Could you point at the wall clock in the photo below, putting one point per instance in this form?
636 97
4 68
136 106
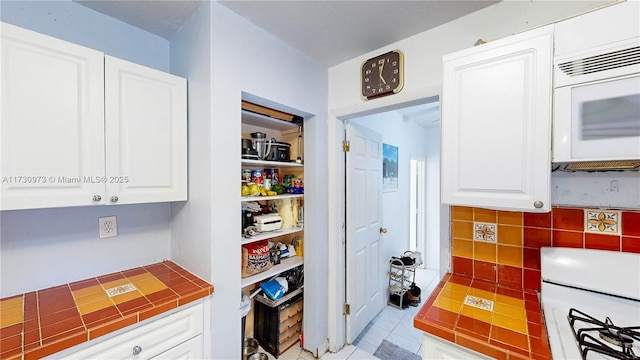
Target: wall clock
382 75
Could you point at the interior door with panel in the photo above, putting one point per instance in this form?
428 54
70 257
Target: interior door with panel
366 295
496 123
52 137
146 134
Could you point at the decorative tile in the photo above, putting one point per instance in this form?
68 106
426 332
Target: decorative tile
479 302
485 231
602 221
119 290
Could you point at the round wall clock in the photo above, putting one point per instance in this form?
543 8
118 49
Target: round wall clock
382 75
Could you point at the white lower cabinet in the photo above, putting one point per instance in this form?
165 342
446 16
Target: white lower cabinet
438 349
176 336
190 349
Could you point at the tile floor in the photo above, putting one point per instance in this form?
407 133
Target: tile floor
391 324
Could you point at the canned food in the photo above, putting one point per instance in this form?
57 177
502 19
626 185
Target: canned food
246 175
272 174
256 176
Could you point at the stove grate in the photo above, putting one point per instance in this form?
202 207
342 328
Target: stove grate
617 340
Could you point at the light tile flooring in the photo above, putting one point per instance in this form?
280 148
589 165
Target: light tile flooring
391 324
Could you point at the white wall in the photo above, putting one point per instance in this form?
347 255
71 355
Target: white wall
43 248
423 78
237 55
67 20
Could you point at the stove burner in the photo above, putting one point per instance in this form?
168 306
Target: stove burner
617 340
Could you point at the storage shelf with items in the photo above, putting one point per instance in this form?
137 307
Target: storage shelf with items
401 278
272 203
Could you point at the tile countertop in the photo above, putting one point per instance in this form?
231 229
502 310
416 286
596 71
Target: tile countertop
43 322
509 325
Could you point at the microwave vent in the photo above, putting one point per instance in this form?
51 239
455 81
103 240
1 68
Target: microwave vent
602 62
600 165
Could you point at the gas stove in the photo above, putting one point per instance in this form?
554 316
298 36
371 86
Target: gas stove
591 303
604 337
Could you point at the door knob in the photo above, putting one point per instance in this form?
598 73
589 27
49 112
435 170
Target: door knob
383 230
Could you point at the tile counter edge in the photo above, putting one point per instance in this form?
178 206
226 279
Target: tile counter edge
80 312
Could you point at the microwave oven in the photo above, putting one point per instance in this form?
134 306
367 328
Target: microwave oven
596 115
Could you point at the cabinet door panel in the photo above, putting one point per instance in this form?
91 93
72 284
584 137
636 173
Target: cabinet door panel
145 133
188 350
52 121
496 116
151 339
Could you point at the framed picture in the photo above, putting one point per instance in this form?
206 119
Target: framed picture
389 168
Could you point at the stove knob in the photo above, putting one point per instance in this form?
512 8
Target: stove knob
538 204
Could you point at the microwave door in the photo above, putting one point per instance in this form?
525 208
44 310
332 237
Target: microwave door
605 120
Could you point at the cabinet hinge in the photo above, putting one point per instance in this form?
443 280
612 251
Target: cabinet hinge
347 309
345 145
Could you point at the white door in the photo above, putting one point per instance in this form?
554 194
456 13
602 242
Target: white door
146 134
365 282
496 123
52 127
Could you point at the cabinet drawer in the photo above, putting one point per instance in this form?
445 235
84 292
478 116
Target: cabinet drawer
291 311
190 350
153 338
290 322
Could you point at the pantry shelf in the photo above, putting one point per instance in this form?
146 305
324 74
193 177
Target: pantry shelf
270 234
256 119
285 264
276 197
270 164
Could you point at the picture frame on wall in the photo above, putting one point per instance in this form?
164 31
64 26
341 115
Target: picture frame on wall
389 168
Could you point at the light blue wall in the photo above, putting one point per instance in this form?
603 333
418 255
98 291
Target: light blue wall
48 247
226 57
66 20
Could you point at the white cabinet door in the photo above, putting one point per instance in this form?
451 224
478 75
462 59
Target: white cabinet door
188 350
496 116
151 340
146 134
438 349
51 134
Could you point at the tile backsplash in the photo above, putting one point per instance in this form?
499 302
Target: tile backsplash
504 246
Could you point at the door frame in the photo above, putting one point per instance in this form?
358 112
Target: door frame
420 198
336 173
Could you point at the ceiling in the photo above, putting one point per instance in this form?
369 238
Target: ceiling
330 32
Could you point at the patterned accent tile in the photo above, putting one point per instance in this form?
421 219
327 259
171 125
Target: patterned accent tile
485 231
480 303
602 221
121 289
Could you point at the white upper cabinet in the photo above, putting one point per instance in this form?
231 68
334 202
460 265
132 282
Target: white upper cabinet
496 123
146 134
52 126
77 132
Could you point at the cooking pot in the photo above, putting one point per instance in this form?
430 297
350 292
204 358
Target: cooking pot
279 151
250 347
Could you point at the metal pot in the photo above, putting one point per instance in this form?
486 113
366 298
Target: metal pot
259 356
250 347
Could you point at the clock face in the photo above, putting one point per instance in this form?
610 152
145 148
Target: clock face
382 75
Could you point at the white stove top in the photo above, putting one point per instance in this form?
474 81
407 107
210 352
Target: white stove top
558 298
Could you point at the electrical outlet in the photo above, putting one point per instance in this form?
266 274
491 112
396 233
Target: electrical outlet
108 227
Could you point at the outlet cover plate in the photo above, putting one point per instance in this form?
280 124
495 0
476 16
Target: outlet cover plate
108 227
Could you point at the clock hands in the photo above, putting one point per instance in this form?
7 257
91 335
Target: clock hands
380 68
